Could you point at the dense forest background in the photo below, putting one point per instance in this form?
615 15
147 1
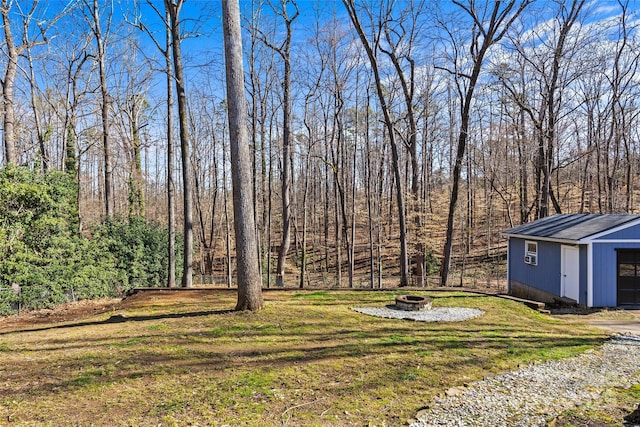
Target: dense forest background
391 141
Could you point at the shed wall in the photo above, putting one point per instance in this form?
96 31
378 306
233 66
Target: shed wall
544 276
625 234
605 272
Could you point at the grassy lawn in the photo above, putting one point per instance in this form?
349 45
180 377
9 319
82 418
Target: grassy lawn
306 359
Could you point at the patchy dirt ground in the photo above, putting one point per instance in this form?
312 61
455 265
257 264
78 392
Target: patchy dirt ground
81 310
62 313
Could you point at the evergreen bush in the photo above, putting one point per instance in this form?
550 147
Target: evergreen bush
46 258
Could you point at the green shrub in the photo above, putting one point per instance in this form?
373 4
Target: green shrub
431 262
43 253
140 250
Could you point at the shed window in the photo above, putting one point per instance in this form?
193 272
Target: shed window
531 253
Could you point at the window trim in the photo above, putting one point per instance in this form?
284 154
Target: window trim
528 253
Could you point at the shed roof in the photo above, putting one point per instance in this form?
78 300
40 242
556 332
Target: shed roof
569 227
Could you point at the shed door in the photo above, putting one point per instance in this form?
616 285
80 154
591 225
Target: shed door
570 271
629 277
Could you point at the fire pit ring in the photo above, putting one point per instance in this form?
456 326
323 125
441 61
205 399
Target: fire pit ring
413 302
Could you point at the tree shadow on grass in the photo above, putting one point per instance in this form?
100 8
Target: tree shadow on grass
393 351
120 318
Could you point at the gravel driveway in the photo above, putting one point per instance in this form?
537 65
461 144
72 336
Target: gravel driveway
532 395
627 326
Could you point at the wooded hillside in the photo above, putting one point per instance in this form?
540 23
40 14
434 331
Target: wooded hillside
390 140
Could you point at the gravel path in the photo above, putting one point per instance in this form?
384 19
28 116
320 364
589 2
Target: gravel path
538 392
436 314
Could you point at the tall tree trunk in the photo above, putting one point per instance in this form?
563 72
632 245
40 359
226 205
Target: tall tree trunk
369 194
249 283
270 204
105 105
254 81
8 83
523 182
171 186
227 238
174 13
305 192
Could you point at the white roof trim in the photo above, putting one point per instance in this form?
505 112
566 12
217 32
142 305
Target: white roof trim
617 241
539 238
593 237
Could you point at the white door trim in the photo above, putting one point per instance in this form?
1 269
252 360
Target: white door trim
570 272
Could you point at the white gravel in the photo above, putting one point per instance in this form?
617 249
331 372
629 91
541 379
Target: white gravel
539 392
436 314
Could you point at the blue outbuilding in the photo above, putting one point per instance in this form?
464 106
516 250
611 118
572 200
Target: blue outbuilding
593 260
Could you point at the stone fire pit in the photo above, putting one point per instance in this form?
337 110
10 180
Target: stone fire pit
418 308
413 303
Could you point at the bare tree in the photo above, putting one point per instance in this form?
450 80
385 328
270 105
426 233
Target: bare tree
13 52
131 103
622 86
76 60
8 83
171 187
312 139
166 52
489 25
101 35
42 134
401 35
391 134
173 8
263 78
249 283
550 72
284 50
